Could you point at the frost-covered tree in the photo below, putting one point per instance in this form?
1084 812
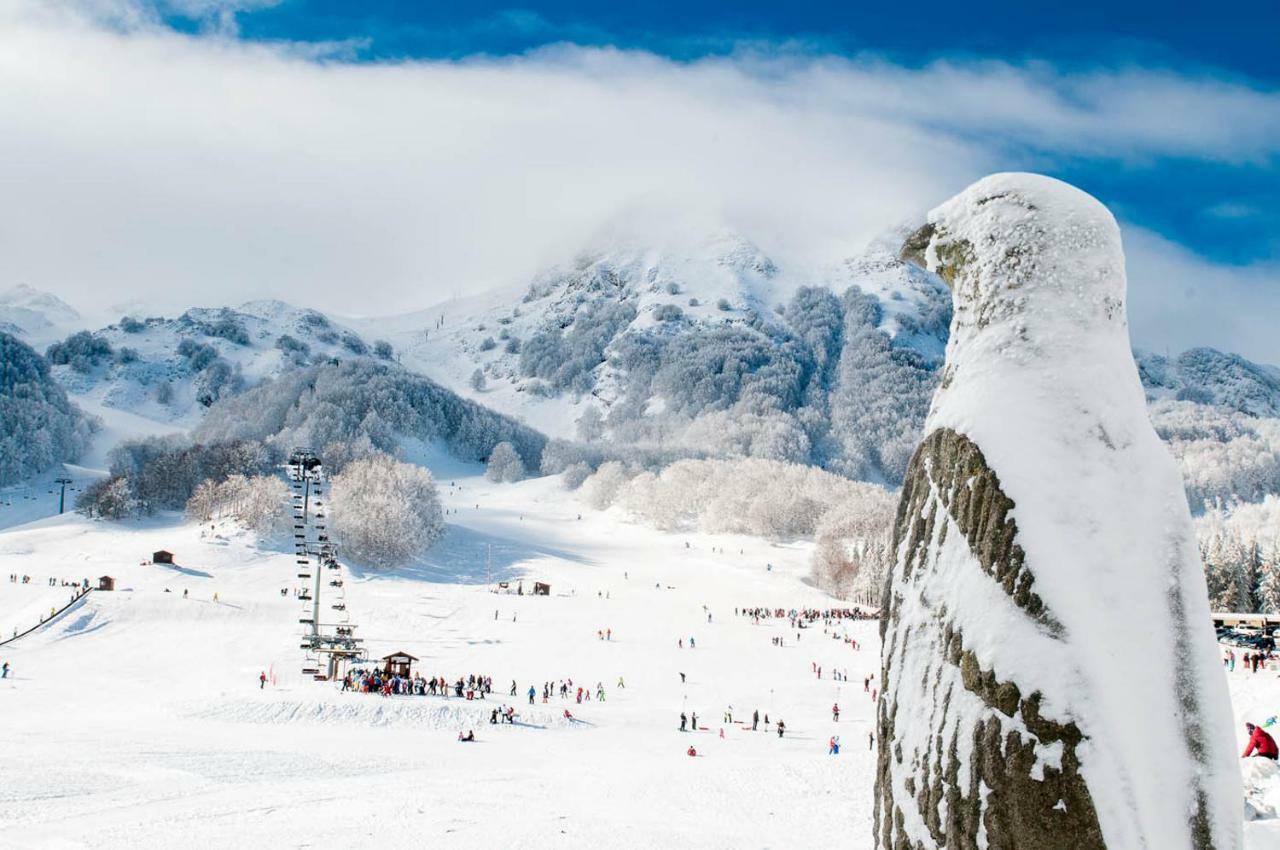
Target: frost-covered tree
109 498
590 425
258 503
82 351
574 475
384 512
504 464
1269 587
477 380
602 488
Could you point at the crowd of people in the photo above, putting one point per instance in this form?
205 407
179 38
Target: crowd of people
389 684
1253 660
800 617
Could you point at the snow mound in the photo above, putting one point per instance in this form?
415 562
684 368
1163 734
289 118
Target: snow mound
1261 779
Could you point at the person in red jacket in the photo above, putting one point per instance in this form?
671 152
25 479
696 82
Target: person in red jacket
1260 743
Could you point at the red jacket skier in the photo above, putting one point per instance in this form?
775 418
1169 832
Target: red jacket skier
1260 743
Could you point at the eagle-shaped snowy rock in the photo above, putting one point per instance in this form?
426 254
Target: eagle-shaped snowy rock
1050 676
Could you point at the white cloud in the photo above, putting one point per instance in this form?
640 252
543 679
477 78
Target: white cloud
1178 300
139 163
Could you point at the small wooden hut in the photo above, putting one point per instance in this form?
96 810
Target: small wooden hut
541 588
106 583
162 557
398 664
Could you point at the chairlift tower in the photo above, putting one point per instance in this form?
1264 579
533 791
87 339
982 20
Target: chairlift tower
316 558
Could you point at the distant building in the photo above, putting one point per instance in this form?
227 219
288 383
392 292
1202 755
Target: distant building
162 557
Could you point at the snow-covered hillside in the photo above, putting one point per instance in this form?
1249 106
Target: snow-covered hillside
168 738
136 719
172 369
709 346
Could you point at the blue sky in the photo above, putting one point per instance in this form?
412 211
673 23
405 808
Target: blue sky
161 151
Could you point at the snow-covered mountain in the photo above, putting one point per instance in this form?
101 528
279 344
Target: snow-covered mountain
36 317
170 370
705 347
710 345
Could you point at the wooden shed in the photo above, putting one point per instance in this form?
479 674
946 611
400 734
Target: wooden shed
398 664
162 557
541 588
106 583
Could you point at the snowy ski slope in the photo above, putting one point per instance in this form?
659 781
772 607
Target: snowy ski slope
137 720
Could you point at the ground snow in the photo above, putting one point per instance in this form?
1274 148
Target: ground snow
137 721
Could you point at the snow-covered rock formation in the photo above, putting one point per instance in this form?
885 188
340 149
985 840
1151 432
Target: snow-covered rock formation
1050 676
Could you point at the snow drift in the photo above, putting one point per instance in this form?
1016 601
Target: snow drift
1049 671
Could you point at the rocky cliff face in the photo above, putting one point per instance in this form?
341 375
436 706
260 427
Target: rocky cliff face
1042 545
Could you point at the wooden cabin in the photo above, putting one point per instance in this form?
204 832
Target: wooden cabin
106 583
398 664
541 588
162 557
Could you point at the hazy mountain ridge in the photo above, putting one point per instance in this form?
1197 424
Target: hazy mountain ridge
713 349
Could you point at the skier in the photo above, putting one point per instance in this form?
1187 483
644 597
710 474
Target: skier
532 693
691 751
513 687
692 644
262 680
682 678
684 721
835 713
1260 743
695 721
833 746
782 727
4 671
755 719
621 684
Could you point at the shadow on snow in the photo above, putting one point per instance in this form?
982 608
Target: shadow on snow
460 558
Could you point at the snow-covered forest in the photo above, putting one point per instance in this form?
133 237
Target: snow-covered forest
360 405
39 425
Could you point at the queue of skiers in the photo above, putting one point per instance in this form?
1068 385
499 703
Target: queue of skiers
378 682
16 578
